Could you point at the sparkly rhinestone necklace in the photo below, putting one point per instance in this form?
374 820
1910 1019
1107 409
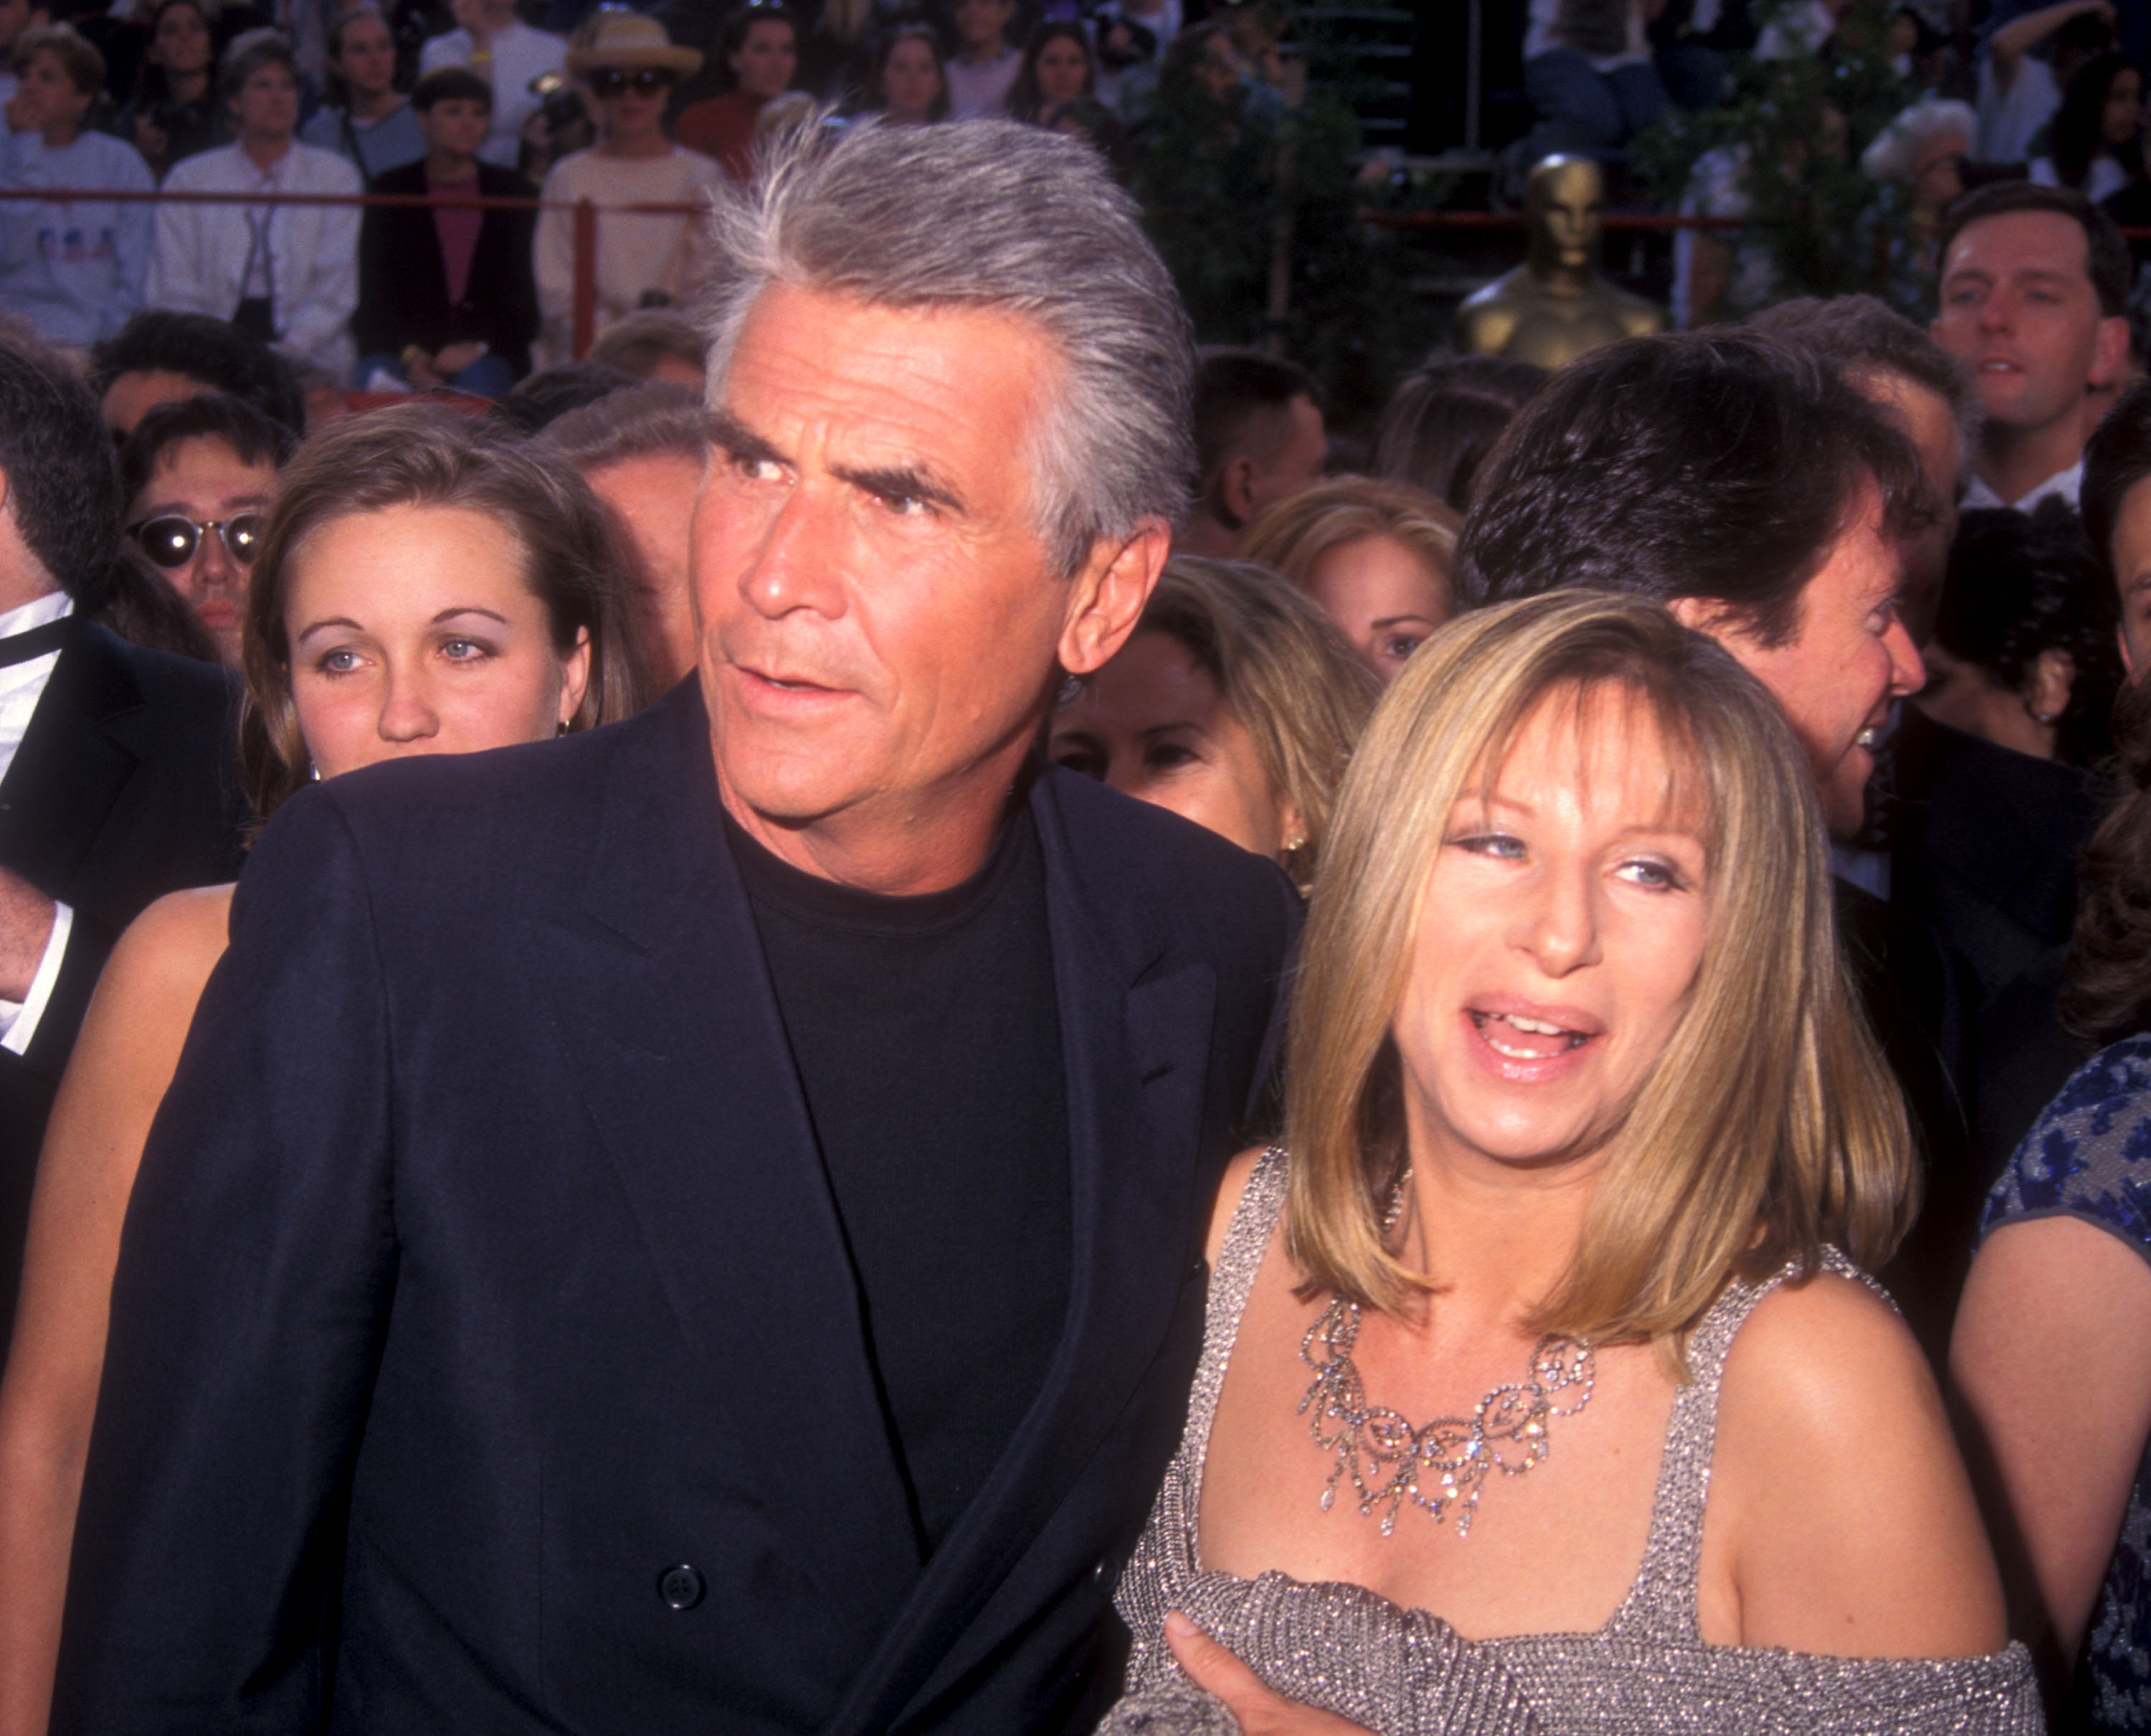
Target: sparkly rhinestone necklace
1442 1466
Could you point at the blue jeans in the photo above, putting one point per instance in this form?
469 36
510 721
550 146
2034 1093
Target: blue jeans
1583 109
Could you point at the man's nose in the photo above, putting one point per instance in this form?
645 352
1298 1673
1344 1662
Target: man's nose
1908 672
794 564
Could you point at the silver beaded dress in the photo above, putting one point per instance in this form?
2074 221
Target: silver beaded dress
1406 1673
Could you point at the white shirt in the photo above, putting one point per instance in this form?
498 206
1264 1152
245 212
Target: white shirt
519 54
1543 32
2107 176
2010 120
22 684
200 260
2062 486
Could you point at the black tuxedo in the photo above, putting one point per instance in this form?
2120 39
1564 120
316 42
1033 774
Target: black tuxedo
1983 870
404 279
484 1352
123 789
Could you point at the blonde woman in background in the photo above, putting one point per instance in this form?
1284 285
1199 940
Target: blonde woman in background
1235 704
1376 555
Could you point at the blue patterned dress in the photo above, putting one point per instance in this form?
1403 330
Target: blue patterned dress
2089 1156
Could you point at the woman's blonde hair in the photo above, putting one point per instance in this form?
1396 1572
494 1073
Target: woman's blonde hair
1769 1126
1284 672
1298 531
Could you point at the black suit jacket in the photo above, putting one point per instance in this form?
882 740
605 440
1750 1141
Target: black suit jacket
123 789
1984 859
403 281
485 1354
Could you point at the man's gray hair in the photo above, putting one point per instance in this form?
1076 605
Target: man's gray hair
988 214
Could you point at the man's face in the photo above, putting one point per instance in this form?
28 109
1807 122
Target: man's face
1849 656
879 618
2017 304
1924 415
981 24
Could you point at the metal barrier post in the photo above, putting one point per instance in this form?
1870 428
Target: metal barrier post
586 278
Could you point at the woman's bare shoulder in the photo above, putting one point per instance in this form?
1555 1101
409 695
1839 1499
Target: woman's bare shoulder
146 997
1882 1554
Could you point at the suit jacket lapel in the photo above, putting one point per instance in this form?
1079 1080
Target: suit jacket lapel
70 768
1135 1038
689 1081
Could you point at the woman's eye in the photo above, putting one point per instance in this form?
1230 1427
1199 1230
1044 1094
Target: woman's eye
1652 876
1399 647
1168 756
1498 844
1081 760
463 650
337 662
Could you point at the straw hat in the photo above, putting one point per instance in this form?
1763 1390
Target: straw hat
626 41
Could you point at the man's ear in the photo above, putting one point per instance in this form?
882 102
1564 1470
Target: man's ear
1702 615
2053 673
2110 355
1236 490
1105 599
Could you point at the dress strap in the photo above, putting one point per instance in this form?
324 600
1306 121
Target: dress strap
1247 1238
1660 1606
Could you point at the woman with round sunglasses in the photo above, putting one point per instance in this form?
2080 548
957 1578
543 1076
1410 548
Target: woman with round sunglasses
199 475
421 586
628 66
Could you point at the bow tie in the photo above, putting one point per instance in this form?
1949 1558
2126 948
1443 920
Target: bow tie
37 642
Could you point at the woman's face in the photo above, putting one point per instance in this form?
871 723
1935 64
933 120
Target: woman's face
412 630
368 61
765 62
1562 927
181 45
267 105
1385 596
1064 72
49 104
2123 112
632 106
1153 726
911 81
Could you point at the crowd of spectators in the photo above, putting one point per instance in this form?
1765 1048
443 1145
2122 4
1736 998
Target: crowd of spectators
628 109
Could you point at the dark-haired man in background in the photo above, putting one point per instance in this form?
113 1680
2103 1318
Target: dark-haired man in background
2034 284
161 356
116 785
1744 481
1259 439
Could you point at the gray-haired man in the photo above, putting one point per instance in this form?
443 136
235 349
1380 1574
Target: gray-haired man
697 1226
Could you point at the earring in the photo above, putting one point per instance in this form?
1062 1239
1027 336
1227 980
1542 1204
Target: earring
1297 841
560 728
313 772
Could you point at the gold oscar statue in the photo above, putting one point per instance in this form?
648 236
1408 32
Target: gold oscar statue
1555 305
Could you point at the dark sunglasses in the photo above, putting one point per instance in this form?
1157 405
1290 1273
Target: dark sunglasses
608 81
171 541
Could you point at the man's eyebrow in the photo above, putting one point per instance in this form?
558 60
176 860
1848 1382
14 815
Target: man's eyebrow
901 481
725 431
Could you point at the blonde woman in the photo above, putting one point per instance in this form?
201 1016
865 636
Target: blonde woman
1377 556
1543 1388
1234 703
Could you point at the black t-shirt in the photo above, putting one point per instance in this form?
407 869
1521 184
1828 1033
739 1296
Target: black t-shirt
928 1040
